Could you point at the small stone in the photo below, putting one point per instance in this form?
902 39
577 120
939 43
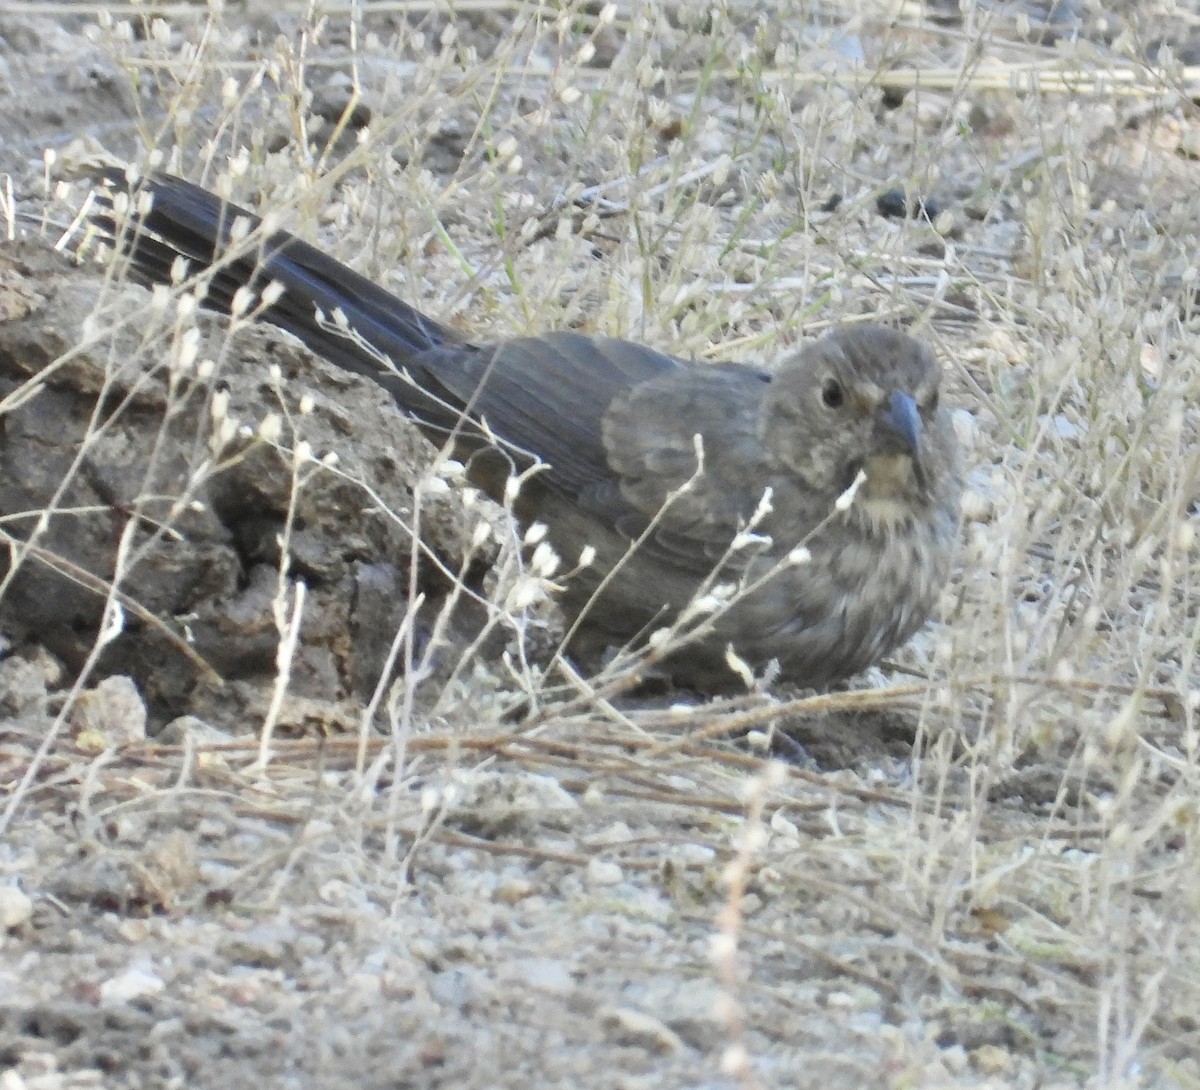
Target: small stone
16 907
454 988
990 1060
491 803
111 714
1189 143
603 872
132 984
546 975
1061 425
263 947
189 728
976 506
966 428
24 683
510 890
896 204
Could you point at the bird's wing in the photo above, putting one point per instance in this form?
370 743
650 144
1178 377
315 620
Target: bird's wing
545 396
616 424
699 501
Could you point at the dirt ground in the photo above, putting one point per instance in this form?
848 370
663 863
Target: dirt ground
230 854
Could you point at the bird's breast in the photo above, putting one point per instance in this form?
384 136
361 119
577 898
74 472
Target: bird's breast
862 594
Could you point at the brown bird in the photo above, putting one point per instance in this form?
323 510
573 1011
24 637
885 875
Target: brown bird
806 516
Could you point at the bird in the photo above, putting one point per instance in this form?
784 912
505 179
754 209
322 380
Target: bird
796 522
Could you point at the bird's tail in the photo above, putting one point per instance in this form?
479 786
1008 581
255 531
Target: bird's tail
184 220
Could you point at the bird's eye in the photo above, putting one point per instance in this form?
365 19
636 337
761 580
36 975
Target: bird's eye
832 394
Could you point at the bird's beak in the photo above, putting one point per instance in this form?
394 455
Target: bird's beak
901 421
901 418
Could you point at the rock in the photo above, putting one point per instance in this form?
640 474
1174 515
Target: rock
111 714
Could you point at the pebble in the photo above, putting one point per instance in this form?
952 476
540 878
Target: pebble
134 983
603 872
16 907
111 714
546 975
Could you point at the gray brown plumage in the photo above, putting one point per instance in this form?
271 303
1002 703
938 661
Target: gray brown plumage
616 424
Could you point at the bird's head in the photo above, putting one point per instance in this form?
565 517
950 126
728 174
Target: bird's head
864 398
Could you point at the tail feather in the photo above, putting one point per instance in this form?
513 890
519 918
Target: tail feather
186 221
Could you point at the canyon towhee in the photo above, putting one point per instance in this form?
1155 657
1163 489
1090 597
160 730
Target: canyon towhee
806 515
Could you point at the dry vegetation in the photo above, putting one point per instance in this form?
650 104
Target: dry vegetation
983 868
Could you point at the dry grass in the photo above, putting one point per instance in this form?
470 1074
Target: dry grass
1014 905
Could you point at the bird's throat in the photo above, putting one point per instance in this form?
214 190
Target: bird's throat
892 493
